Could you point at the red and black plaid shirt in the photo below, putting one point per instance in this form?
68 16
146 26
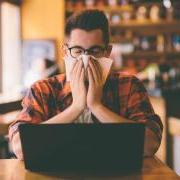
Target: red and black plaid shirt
123 94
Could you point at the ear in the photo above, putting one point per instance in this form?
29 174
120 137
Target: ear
64 49
108 51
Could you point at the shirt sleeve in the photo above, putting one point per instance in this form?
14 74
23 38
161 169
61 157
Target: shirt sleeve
140 109
35 108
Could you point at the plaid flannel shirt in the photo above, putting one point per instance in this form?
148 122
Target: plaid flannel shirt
122 93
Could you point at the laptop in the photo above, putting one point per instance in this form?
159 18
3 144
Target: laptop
83 147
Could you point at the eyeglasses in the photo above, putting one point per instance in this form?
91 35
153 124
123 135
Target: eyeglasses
96 51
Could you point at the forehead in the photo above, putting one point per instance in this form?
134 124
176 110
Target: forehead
86 39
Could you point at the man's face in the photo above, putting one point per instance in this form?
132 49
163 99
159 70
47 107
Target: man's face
92 41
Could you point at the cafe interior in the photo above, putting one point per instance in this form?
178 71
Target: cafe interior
145 36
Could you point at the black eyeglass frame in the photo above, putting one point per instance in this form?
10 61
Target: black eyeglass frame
86 50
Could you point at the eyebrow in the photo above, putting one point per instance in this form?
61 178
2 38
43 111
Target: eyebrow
95 46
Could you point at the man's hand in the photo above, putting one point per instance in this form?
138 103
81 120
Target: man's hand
16 145
79 93
78 88
95 88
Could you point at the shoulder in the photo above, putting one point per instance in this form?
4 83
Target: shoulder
50 84
123 77
126 83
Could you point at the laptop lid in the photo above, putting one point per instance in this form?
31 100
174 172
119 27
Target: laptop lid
82 147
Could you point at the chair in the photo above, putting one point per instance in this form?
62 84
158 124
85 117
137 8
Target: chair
174 143
159 106
8 112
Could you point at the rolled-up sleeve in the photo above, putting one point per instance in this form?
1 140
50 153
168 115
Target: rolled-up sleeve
34 110
140 109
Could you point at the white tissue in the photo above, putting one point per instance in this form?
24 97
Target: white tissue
85 59
69 63
105 64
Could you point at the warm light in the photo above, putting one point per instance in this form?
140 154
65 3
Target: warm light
167 3
11 47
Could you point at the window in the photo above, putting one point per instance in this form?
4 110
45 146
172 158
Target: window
10 49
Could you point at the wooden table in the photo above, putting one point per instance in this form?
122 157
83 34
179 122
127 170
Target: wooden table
153 169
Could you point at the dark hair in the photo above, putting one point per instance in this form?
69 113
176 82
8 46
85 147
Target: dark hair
89 20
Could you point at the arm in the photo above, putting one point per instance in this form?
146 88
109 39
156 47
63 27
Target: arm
138 108
79 99
63 117
105 115
16 146
67 116
35 107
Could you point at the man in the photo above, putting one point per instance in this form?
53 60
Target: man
122 98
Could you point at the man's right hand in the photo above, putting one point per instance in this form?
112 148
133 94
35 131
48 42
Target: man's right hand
78 88
16 145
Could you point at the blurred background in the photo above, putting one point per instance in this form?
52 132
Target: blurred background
146 43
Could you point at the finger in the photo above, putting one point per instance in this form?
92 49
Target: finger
19 154
98 70
77 71
16 145
82 76
90 77
93 70
74 66
73 70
